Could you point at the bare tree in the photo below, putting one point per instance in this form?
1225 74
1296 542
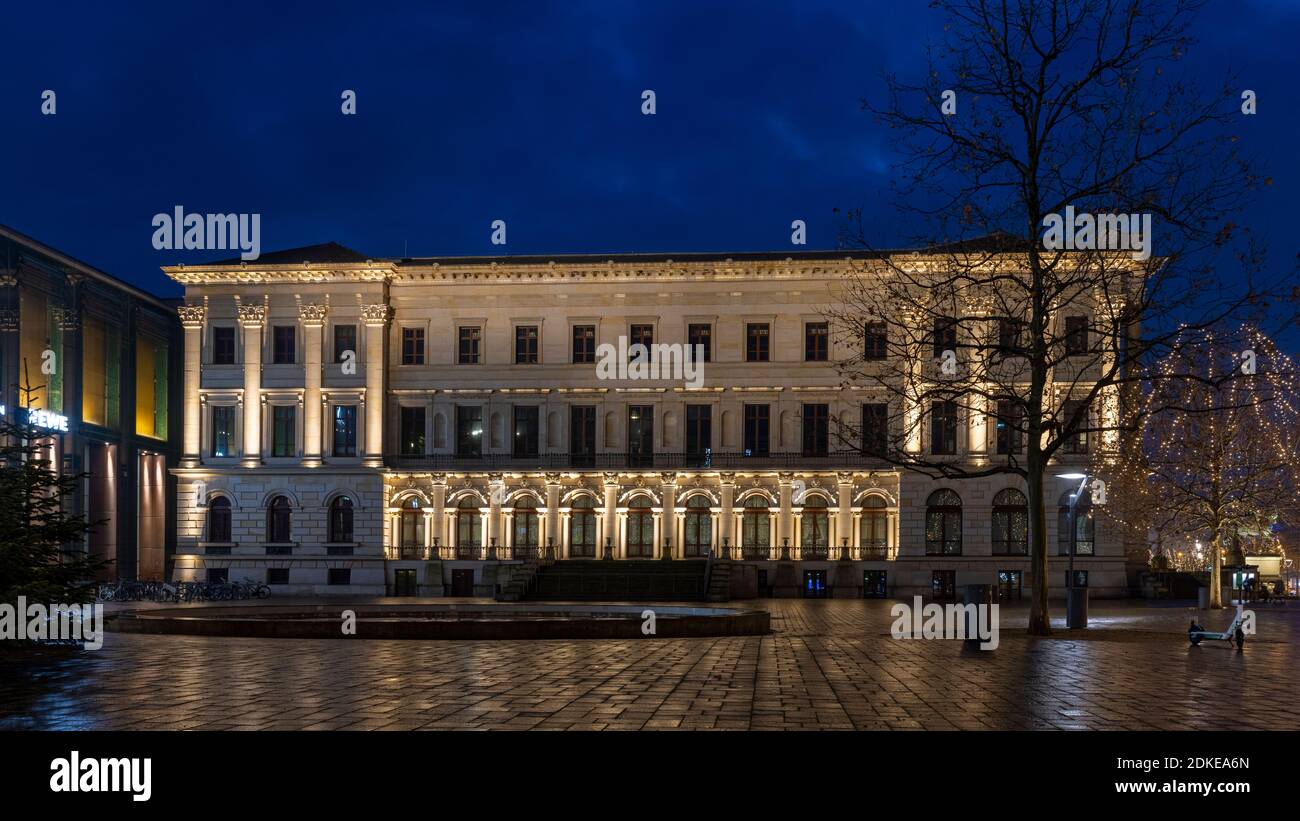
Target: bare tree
1053 146
1220 429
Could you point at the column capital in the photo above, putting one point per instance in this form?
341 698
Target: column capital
438 478
844 477
192 316
785 478
611 479
377 314
668 477
312 315
8 277
252 316
727 478
553 478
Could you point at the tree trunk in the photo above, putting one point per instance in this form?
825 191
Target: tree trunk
1216 573
1040 620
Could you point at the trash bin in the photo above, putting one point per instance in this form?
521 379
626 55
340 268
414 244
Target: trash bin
977 594
1076 607
1203 598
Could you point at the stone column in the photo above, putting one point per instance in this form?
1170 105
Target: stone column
553 531
785 517
251 318
726 519
375 318
844 518
496 493
312 318
438 498
611 512
192 318
669 529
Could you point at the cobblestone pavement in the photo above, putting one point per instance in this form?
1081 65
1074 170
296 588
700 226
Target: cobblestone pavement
827 665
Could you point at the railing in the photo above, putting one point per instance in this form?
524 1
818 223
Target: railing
611 461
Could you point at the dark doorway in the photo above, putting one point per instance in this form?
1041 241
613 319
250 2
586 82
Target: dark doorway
764 590
1009 584
943 584
814 584
404 583
462 583
874 584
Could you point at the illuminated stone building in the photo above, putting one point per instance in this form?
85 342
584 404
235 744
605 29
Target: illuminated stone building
428 426
98 361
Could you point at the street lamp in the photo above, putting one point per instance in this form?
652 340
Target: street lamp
1076 613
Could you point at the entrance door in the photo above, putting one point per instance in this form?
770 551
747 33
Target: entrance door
814 584
873 584
404 583
1009 584
462 583
943 584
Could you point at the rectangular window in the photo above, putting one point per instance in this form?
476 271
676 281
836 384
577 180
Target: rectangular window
875 340
412 346
412 430
467 344
1011 337
1077 441
943 428
38 331
277 575
284 340
700 338
640 435
944 336
1009 421
223 430
345 339
1076 335
150 388
223 345
756 429
525 444
340 576
756 339
816 341
469 431
100 373
699 429
582 435
283 430
526 345
816 430
584 344
345 430
875 429
641 335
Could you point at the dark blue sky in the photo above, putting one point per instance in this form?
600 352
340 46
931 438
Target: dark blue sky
524 112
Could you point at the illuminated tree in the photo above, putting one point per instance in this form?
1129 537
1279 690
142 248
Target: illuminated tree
1220 435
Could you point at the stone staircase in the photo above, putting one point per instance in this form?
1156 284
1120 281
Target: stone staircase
719 581
621 580
515 588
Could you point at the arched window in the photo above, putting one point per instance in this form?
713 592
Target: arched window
1010 524
279 521
412 526
755 534
525 535
640 528
873 536
698 526
469 529
219 519
814 529
1084 525
340 528
943 524
582 528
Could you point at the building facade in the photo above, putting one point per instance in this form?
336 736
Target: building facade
423 426
99 360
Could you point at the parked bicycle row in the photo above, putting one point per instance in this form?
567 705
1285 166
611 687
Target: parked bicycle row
183 591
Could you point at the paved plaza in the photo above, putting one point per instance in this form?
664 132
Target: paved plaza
827 665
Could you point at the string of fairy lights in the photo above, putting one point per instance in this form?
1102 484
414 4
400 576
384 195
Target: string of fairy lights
1216 444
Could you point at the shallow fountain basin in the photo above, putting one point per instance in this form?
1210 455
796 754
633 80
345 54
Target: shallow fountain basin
446 621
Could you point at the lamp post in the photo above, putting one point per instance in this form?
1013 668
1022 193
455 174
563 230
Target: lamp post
1076 609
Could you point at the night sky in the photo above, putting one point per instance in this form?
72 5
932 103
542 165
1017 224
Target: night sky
528 113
